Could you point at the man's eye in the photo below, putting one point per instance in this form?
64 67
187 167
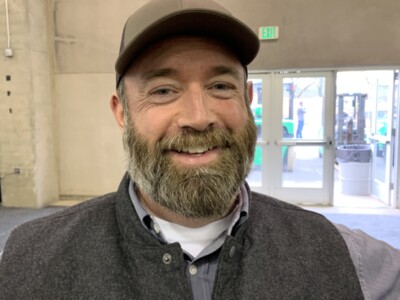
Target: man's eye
161 92
222 90
222 87
163 95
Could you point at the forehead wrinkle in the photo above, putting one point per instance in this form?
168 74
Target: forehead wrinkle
163 72
225 70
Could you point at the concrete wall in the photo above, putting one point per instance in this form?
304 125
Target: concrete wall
27 108
86 41
83 156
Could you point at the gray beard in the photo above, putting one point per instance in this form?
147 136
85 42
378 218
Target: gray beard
193 192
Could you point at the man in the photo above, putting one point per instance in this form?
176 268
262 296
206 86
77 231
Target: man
184 224
300 120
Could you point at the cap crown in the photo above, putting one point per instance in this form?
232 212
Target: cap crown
161 19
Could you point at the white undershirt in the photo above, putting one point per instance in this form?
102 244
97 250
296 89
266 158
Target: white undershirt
194 240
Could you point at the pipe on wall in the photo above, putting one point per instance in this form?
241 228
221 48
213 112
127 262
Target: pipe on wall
8 26
8 50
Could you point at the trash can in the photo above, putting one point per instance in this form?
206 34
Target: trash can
354 169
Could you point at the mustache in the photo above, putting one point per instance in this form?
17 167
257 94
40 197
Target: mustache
210 138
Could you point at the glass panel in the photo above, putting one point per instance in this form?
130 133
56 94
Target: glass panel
255 176
287 109
396 101
302 118
379 161
363 106
256 105
303 107
302 166
351 118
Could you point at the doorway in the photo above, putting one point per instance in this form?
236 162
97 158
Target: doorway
365 136
318 145
294 153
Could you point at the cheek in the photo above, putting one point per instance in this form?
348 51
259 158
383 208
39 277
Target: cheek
233 116
152 124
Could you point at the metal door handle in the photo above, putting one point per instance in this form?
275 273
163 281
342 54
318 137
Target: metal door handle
262 142
303 143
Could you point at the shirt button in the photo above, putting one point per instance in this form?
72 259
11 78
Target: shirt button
232 252
155 227
167 258
193 270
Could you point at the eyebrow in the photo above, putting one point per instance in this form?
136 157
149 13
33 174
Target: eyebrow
225 70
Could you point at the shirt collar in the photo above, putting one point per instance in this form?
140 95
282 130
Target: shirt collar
146 218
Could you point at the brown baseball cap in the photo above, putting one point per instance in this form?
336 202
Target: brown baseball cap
161 19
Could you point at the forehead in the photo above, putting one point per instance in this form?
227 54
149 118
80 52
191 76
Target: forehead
184 49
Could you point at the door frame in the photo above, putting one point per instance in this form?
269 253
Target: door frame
396 142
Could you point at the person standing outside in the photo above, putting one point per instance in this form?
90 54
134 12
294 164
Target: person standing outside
300 120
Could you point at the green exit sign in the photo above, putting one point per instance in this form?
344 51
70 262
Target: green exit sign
268 33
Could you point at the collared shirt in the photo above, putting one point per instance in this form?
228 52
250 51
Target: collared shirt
202 269
377 263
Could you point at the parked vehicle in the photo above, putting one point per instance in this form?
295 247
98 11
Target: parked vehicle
287 132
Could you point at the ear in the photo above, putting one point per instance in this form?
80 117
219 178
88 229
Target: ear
250 91
118 110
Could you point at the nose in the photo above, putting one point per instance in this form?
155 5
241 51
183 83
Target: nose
195 111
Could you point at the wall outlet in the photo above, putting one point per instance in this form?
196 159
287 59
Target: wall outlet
8 52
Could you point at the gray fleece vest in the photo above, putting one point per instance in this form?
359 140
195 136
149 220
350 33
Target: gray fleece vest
100 250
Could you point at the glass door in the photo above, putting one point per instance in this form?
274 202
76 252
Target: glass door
382 136
294 155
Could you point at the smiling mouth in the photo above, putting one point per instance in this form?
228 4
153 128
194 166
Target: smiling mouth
194 150
195 156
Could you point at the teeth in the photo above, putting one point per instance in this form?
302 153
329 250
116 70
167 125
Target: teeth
195 150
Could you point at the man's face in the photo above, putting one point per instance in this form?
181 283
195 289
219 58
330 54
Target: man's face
189 135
